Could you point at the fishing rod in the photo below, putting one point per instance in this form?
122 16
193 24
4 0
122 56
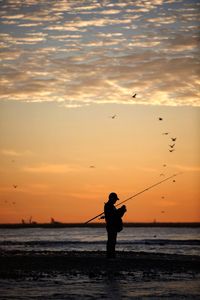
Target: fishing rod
135 195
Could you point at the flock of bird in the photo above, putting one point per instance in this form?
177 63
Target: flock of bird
171 149
173 139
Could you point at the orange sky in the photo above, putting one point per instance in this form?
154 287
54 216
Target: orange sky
67 67
48 154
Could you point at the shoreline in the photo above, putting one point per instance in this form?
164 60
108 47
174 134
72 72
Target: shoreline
98 225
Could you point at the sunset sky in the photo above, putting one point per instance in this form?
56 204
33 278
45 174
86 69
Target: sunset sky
70 130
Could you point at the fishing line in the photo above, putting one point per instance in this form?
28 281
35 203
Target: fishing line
135 195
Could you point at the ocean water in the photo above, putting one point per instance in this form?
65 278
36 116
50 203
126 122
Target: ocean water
171 240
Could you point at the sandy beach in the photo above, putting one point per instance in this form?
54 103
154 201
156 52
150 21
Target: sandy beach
89 275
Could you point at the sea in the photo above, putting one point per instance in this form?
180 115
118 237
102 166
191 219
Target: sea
166 240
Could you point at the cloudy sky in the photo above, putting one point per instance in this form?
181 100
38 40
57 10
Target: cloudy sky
67 67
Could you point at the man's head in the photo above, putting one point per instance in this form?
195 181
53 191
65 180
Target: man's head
113 197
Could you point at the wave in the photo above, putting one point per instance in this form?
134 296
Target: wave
160 242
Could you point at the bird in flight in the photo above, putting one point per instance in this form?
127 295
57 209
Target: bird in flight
165 133
92 167
162 211
134 96
171 150
172 146
162 174
15 186
160 119
174 180
164 165
113 117
173 139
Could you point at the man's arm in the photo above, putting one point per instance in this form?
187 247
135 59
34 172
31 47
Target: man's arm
121 211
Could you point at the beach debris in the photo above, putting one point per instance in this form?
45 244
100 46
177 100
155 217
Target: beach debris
164 165
162 174
162 211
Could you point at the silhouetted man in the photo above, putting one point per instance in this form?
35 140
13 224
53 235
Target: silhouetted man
113 217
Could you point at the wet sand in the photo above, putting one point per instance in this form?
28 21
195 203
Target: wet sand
89 275
95 261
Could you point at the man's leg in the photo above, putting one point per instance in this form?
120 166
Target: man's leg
112 238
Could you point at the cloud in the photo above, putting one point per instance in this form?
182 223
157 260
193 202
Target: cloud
11 17
10 54
86 7
29 24
188 168
164 20
96 52
77 25
52 168
148 169
9 22
110 12
168 203
14 153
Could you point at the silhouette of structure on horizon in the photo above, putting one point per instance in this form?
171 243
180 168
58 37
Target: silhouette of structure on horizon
54 222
